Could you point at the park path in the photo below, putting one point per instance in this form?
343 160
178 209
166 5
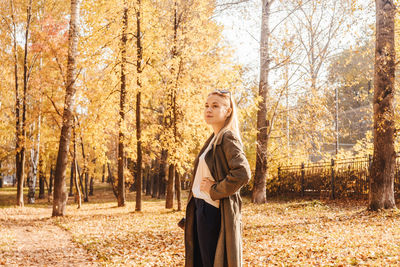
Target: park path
30 237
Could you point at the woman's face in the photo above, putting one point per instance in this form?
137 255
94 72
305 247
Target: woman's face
216 110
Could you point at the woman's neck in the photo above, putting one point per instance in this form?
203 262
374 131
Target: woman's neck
217 128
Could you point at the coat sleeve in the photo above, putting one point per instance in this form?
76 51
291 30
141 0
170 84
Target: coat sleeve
239 169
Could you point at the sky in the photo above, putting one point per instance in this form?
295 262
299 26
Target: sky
242 33
242 30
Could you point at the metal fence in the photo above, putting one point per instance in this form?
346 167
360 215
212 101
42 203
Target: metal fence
335 179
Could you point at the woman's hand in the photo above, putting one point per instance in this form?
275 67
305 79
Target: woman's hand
206 184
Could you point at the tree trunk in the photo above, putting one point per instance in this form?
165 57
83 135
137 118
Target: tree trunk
169 199
169 203
41 179
381 193
80 175
91 183
84 171
91 186
184 181
259 190
1 177
103 174
144 180
108 176
155 179
60 194
49 196
162 174
151 179
78 195
178 190
148 181
74 170
18 144
138 106
121 178
131 165
23 130
71 180
41 186
86 195
21 134
50 191
112 181
34 165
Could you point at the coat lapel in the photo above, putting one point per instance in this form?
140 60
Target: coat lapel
210 156
210 163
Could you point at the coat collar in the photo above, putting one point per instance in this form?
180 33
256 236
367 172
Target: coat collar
220 135
217 142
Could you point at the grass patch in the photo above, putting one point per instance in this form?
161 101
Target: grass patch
8 198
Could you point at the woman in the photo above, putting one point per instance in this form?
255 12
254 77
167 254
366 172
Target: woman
213 219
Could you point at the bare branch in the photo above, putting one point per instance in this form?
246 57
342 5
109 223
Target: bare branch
54 105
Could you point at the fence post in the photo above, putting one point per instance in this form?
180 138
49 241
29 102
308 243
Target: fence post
369 164
333 178
302 179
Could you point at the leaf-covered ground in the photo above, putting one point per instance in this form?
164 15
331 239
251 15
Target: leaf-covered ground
28 237
284 233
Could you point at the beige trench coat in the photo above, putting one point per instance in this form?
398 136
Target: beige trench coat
230 168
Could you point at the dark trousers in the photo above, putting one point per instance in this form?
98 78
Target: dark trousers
207 224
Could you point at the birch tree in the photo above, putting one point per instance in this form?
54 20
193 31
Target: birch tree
60 192
34 164
18 145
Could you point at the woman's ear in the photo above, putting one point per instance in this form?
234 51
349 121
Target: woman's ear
228 112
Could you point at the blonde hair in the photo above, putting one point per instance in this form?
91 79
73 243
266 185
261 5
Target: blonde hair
231 122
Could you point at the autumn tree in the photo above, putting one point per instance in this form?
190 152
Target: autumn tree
60 194
268 103
350 74
7 99
20 108
170 120
139 71
7 128
381 194
99 118
18 22
260 176
121 180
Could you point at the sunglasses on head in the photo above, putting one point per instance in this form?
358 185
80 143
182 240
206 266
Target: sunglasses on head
222 92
